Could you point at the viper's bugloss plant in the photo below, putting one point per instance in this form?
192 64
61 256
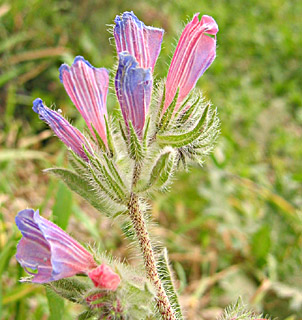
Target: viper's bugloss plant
119 161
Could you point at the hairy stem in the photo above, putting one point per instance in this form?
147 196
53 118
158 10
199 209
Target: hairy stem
142 234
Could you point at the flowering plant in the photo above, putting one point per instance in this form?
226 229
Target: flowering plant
119 162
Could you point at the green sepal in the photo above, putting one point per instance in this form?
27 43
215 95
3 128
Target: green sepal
100 184
78 163
181 140
145 138
135 147
111 183
156 172
160 110
86 315
178 112
166 277
167 172
123 132
71 289
109 138
78 185
114 171
167 116
186 115
98 139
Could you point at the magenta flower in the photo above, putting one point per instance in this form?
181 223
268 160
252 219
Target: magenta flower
104 277
141 41
133 87
49 250
71 136
87 87
194 53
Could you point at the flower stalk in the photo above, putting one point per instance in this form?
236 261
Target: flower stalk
143 237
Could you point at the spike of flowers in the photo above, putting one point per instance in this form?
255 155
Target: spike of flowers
87 87
48 249
71 136
133 87
194 53
141 41
104 277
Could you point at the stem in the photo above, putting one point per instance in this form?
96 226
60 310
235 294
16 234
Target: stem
142 234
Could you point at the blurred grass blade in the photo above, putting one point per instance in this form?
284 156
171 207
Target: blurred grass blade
62 208
56 305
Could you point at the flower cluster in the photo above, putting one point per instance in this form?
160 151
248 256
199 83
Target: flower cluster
138 47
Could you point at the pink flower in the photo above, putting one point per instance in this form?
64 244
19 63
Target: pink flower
70 135
194 53
49 250
104 277
87 87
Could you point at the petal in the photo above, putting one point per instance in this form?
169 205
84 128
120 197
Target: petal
133 87
71 136
68 257
33 250
87 87
194 53
141 41
104 277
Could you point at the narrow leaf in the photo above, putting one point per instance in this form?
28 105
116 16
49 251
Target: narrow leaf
135 147
78 185
166 118
166 277
184 139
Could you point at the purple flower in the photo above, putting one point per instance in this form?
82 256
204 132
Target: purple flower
141 41
49 250
71 136
194 53
87 87
133 87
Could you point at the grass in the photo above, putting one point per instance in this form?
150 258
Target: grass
232 228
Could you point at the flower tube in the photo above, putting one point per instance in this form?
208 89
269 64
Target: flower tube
194 53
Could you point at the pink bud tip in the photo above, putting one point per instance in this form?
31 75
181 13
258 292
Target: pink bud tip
104 277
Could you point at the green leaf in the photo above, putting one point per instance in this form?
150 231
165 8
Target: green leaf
135 147
62 208
186 115
99 140
184 139
166 277
166 118
109 138
161 107
78 185
56 305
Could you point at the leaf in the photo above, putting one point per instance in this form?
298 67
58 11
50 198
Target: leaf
135 147
78 185
166 277
166 118
184 139
56 305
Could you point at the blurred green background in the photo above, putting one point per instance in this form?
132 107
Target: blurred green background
233 228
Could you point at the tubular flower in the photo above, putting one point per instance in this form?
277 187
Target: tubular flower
71 136
49 250
141 41
87 87
104 277
133 87
194 53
